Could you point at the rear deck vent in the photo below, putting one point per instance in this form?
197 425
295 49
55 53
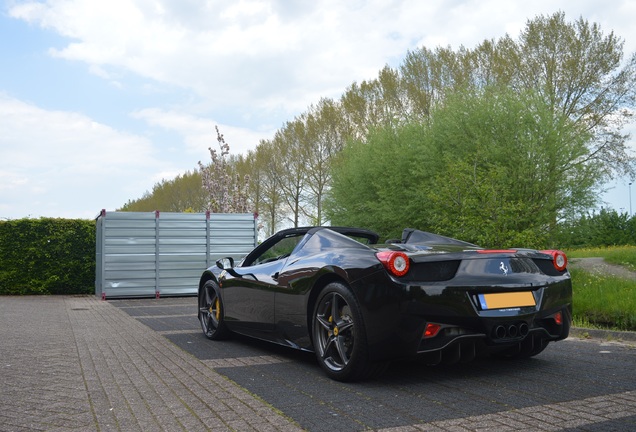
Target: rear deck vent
435 271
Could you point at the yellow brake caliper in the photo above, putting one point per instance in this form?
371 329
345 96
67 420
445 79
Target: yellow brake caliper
215 309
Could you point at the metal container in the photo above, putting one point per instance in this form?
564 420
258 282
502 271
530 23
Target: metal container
153 254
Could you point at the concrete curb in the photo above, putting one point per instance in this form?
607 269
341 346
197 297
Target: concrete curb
610 335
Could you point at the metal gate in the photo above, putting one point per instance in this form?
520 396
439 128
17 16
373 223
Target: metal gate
155 254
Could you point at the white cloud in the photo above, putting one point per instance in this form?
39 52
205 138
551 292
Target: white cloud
48 158
275 54
46 138
199 133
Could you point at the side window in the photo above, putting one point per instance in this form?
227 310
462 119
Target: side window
279 250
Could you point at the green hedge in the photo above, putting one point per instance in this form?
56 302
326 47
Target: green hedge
47 256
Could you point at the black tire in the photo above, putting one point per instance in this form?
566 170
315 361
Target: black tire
339 336
211 312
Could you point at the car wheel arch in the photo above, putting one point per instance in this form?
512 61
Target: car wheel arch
207 276
316 289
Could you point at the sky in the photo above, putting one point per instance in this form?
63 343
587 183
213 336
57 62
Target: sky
100 100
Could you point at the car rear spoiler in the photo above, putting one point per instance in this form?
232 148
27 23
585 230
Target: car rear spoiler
413 236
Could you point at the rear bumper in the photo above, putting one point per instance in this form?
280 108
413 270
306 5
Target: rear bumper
396 327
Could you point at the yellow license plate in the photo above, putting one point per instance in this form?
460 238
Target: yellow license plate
506 300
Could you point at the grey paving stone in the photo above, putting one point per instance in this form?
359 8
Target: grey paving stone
82 364
78 363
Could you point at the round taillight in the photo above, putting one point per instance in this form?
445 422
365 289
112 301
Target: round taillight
397 263
559 259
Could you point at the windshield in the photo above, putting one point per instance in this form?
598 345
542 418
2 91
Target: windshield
281 249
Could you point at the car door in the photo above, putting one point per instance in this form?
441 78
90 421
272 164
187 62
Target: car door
249 299
249 295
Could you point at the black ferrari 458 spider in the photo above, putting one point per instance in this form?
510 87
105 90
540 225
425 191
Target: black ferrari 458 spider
358 304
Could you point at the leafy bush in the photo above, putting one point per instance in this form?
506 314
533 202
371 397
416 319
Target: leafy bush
47 256
602 229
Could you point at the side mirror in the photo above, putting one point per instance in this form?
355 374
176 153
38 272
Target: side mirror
226 263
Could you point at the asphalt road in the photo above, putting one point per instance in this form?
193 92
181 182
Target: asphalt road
575 384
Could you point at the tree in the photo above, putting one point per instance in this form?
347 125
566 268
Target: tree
290 173
325 139
533 124
491 167
578 71
379 102
379 183
426 76
183 193
226 190
508 169
264 190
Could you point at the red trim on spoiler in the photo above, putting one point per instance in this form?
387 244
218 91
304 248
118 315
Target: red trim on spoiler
493 251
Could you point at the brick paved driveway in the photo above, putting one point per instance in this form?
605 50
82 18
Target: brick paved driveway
573 385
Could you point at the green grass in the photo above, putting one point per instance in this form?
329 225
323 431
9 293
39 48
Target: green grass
621 255
603 301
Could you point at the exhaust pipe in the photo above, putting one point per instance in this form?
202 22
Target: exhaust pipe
523 329
500 332
512 331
